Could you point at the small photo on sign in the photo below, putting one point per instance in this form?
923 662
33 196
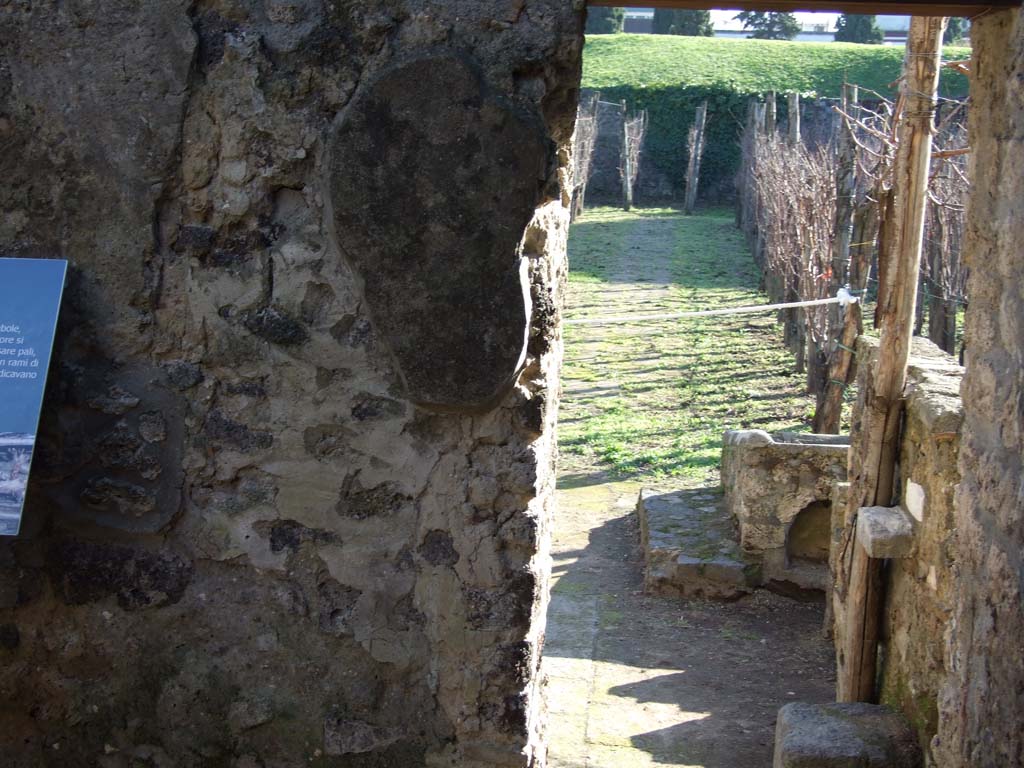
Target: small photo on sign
15 458
30 293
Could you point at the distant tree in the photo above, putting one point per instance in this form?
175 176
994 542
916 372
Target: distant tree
770 25
858 28
605 21
693 23
956 30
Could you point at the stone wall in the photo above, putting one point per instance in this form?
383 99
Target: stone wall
919 585
983 707
922 668
290 501
769 480
919 588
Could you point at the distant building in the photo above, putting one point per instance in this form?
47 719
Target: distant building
639 21
895 29
815 27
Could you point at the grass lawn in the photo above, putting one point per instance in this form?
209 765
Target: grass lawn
749 66
654 398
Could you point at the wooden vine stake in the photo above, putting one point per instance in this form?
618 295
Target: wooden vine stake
696 150
828 414
874 484
793 111
627 164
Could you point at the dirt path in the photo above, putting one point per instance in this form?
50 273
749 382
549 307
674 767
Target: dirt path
637 680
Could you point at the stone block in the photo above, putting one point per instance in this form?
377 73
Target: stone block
781 484
437 256
843 736
690 548
885 532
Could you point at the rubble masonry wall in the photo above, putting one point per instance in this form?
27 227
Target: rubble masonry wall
982 707
919 588
291 495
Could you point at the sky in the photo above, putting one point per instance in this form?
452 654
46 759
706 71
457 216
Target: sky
726 19
722 17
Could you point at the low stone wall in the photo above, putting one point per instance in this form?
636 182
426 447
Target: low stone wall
919 587
768 481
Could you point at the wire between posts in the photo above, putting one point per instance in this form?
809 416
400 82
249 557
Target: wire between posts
843 297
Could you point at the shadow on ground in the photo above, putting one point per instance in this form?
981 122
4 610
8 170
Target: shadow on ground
651 397
637 680
605 237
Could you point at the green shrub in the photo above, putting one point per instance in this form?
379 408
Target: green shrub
605 21
668 22
859 28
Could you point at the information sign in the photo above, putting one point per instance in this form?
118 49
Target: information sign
30 292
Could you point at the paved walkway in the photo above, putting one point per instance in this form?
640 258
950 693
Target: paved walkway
637 680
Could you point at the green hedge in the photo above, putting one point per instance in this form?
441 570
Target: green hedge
670 113
670 76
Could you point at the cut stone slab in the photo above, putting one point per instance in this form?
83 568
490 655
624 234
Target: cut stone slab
885 531
843 736
690 546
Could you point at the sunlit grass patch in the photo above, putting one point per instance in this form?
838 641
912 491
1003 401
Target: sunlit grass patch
653 398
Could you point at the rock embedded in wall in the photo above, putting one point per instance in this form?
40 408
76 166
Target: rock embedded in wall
433 179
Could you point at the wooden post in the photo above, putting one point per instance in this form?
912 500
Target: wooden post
793 112
846 187
941 310
875 483
627 164
828 414
743 178
769 114
758 117
696 150
866 224
747 208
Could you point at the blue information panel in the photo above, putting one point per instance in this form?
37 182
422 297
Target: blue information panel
30 291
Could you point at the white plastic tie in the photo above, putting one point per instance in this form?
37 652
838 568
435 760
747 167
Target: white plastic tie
845 297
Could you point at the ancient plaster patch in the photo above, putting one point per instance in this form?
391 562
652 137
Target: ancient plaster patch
435 179
914 500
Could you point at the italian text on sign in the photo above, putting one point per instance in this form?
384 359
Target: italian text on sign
30 291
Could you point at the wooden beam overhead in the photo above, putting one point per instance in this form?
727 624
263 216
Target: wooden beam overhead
912 7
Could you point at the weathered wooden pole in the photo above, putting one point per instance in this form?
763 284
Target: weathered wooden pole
941 308
828 416
846 188
627 163
874 483
769 114
793 112
696 150
842 330
747 209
